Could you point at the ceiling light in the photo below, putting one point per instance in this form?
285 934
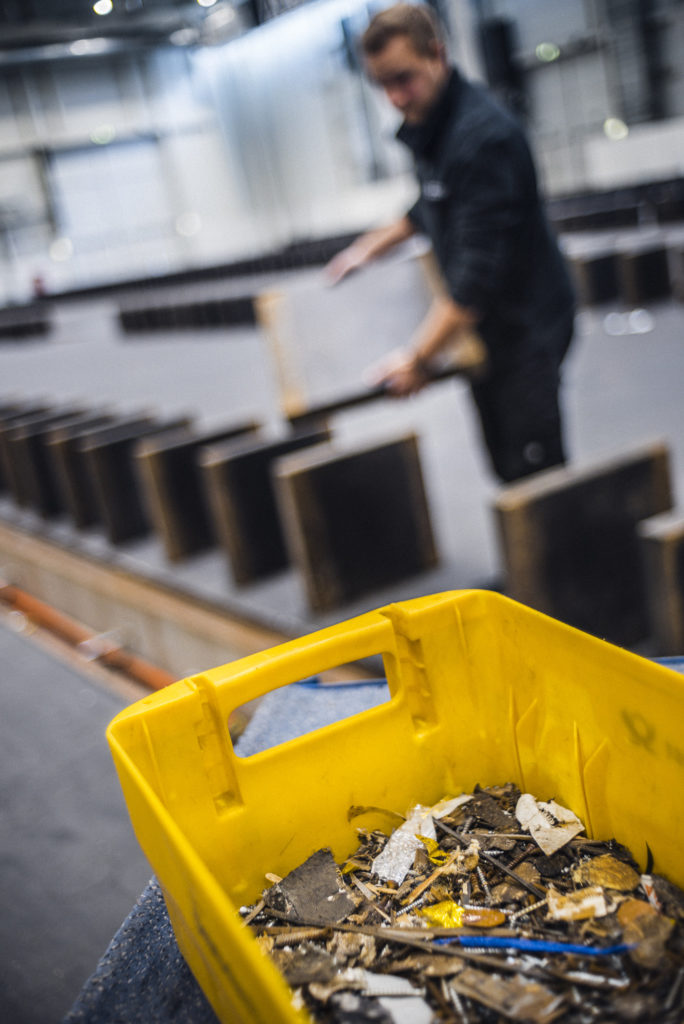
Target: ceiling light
103 134
103 7
547 52
615 129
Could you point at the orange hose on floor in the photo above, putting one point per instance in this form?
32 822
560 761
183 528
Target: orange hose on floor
67 629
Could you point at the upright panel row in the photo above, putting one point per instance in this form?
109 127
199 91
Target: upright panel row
349 520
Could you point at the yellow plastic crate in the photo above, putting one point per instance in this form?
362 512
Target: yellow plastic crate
483 690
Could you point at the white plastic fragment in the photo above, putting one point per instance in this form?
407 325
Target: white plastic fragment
396 859
401 1009
550 825
387 985
449 804
411 1010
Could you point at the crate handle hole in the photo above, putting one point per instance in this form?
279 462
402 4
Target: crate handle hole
302 707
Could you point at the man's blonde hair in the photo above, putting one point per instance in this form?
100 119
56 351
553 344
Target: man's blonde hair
417 22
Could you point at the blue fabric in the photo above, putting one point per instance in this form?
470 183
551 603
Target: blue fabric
295 710
142 975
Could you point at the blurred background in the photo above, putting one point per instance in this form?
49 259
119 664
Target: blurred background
173 178
144 137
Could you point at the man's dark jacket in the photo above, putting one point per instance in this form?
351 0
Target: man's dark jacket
480 207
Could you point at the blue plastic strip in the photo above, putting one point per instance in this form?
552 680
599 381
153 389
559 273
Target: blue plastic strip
315 683
675 662
530 945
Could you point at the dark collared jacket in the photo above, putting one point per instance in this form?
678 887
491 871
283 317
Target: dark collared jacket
480 207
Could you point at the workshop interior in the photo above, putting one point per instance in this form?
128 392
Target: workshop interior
311 711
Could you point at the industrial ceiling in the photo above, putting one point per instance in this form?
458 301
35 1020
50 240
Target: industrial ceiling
34 29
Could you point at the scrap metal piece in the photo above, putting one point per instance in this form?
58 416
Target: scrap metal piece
313 893
304 965
490 811
451 915
607 871
514 997
647 930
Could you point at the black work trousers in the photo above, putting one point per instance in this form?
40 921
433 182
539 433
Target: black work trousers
519 411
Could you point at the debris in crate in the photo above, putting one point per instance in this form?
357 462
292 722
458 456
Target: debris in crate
550 825
514 997
579 905
646 929
313 893
485 908
606 871
396 857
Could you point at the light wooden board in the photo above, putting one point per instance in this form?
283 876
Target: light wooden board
314 329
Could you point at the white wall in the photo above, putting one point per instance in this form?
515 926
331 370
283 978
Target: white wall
96 167
648 153
291 107
567 101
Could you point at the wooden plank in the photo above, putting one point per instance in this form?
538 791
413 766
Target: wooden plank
569 540
467 360
26 321
13 412
44 484
17 442
676 259
242 496
209 312
596 278
109 453
662 549
76 483
355 520
174 490
7 409
644 275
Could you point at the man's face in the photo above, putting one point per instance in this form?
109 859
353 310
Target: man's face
411 81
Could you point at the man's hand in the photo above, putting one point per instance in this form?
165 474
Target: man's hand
345 263
405 371
401 373
366 248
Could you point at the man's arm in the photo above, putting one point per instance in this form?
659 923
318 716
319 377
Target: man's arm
480 232
408 370
367 247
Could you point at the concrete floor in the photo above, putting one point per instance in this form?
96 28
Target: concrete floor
71 868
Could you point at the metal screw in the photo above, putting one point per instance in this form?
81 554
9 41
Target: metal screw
483 883
528 910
